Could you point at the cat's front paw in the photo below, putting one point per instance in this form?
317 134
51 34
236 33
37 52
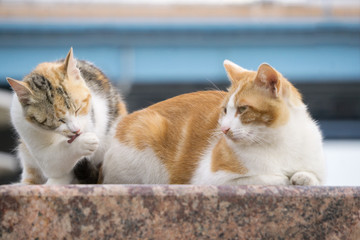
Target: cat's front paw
63 180
87 143
304 179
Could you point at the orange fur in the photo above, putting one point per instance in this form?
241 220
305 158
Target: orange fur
51 70
224 159
80 95
84 105
268 111
122 109
264 108
34 176
101 77
178 130
78 90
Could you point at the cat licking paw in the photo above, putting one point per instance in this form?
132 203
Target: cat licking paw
54 109
87 143
304 179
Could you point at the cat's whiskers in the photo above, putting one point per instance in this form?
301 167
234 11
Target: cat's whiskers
253 138
216 133
216 87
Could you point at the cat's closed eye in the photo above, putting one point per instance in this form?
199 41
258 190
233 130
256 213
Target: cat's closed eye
62 120
77 110
242 109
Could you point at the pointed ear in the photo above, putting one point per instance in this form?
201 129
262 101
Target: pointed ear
21 89
70 66
233 70
268 78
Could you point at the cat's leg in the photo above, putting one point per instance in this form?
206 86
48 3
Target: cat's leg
86 172
31 173
304 179
262 180
65 179
58 159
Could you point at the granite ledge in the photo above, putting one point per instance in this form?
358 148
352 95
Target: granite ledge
179 212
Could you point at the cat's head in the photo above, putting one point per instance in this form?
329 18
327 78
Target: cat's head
55 97
258 103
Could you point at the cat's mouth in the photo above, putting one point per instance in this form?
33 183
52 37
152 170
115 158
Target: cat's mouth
230 135
73 137
234 137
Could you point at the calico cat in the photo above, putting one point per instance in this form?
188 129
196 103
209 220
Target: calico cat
63 111
259 132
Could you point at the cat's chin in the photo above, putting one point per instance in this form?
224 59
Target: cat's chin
236 140
232 138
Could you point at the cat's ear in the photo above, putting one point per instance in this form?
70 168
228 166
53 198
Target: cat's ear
72 71
268 78
21 89
234 71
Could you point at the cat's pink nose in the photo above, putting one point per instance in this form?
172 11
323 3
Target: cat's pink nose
77 131
225 130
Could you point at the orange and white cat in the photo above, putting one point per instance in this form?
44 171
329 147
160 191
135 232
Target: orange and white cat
260 132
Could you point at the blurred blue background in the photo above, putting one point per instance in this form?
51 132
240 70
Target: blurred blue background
185 52
156 50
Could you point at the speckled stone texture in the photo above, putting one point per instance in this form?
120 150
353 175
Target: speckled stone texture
179 212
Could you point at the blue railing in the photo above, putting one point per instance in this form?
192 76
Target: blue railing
185 51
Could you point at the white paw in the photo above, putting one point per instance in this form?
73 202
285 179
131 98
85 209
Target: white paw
66 179
304 179
87 143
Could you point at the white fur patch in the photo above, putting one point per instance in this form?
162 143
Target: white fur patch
229 120
128 165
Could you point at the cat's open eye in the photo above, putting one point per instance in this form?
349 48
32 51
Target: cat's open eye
242 109
225 110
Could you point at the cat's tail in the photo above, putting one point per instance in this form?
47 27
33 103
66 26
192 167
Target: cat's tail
86 172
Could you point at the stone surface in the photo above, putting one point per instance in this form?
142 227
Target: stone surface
179 212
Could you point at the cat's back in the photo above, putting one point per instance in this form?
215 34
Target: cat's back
196 108
178 130
197 105
94 77
107 99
